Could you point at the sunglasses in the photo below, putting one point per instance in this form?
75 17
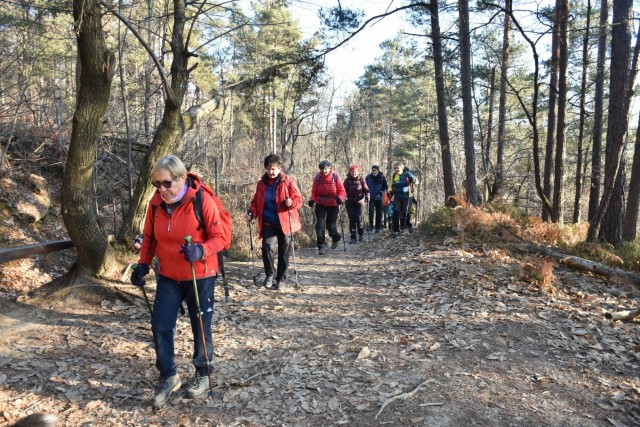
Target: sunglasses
166 183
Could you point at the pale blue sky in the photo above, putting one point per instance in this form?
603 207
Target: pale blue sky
346 64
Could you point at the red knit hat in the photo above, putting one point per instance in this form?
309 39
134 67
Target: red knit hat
354 168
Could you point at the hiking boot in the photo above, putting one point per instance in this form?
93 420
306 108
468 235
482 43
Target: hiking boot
353 241
322 250
361 238
335 244
164 390
277 286
198 387
377 231
267 281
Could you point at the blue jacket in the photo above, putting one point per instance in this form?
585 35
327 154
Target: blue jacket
401 185
376 184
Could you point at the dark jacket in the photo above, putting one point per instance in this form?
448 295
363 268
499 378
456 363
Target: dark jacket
401 185
356 189
377 185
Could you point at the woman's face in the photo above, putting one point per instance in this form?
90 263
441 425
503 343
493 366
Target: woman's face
166 184
354 173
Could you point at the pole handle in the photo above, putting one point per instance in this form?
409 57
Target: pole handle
187 240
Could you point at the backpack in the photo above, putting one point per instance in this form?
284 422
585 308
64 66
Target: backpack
335 177
225 216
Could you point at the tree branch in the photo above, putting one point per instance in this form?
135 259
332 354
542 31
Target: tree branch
165 82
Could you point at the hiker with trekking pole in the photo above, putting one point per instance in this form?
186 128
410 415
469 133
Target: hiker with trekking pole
327 194
378 188
187 270
400 187
275 205
357 196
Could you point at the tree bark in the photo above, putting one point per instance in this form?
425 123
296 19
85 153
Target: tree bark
467 105
630 229
551 116
168 135
562 18
598 112
79 205
618 113
583 117
502 109
443 126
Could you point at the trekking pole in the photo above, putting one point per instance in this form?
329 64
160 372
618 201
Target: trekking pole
134 266
293 249
187 240
253 254
225 284
340 211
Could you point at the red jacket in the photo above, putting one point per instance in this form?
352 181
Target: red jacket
286 188
327 189
163 236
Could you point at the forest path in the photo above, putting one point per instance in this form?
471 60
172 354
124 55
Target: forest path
397 331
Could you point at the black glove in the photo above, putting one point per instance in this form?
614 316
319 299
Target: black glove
192 252
249 213
366 199
311 203
339 201
138 273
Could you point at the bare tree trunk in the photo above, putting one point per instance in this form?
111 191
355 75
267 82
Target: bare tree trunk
486 147
583 116
467 105
630 229
168 135
443 126
502 109
551 116
562 18
618 112
598 112
97 65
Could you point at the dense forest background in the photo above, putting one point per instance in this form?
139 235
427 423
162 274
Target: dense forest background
520 104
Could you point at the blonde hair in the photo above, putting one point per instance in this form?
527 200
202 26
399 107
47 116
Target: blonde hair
170 163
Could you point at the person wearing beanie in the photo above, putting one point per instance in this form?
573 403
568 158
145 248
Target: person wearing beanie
401 182
275 204
327 194
357 196
378 187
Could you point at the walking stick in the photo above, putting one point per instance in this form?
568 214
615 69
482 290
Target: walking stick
293 249
187 240
253 254
344 244
225 284
134 266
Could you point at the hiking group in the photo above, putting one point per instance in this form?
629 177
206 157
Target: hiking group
186 230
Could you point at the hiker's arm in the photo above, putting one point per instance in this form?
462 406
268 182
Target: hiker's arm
340 191
147 249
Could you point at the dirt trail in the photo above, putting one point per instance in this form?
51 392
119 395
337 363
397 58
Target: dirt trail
394 331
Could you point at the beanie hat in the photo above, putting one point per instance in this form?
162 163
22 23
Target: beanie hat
376 167
324 164
354 168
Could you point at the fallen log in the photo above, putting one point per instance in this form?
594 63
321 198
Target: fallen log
581 263
18 252
623 315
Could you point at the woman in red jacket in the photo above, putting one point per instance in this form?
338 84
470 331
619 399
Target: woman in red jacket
169 219
327 194
275 204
